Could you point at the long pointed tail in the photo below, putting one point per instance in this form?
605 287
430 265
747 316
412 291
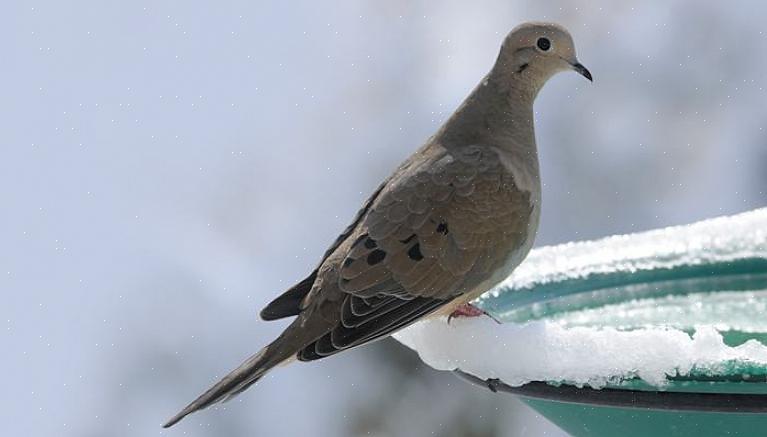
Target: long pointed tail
236 381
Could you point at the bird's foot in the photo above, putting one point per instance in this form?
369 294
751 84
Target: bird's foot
468 310
493 384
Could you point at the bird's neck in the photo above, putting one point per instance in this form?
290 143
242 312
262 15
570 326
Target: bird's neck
499 112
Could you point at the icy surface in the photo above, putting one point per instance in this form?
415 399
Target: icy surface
717 240
742 311
648 338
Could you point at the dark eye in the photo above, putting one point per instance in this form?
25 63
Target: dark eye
543 44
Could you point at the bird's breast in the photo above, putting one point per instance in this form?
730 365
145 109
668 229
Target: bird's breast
518 249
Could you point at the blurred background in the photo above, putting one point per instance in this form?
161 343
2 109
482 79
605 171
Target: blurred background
168 168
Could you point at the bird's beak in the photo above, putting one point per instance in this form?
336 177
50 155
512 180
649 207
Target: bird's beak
583 71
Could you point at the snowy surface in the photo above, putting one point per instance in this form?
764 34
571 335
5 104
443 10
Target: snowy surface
547 351
578 349
717 240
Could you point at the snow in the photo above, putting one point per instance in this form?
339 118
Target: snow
649 339
547 351
716 240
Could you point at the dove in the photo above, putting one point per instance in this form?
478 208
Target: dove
452 221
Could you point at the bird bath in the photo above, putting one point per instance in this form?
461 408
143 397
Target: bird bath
657 333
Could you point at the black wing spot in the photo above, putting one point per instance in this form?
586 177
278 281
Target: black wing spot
370 243
442 228
348 262
408 239
376 257
415 253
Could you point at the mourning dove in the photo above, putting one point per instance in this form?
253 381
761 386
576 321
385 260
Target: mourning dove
451 222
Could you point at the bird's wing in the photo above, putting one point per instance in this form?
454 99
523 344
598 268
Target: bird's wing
436 231
289 303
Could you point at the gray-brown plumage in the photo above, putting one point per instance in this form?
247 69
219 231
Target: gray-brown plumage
451 222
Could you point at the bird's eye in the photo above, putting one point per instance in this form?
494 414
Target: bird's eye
543 44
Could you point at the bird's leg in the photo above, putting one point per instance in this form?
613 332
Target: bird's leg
468 310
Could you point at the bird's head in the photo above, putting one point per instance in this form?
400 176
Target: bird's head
537 51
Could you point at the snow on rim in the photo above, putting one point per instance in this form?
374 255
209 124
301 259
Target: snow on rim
710 241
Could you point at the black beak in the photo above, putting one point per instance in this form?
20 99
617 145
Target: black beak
583 71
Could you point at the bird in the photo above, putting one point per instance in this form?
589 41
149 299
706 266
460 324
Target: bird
452 221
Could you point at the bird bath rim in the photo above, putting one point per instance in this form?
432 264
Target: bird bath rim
617 397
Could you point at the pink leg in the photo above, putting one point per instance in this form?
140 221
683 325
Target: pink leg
468 310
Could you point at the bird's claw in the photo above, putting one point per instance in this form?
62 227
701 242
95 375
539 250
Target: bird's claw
469 310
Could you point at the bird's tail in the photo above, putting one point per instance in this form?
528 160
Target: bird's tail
239 379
